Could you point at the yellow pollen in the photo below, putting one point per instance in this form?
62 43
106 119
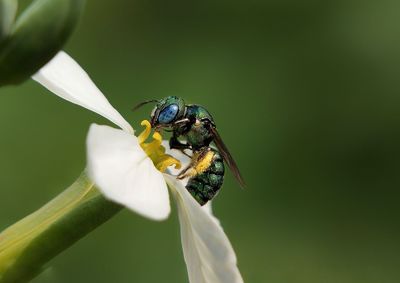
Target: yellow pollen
204 163
155 150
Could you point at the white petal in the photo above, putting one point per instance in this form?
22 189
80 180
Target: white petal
208 253
64 77
124 174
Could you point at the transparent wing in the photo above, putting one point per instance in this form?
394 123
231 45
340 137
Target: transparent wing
227 157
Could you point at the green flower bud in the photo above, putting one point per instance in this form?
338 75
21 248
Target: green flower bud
36 36
8 9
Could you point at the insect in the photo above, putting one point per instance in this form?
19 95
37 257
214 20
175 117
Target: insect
196 126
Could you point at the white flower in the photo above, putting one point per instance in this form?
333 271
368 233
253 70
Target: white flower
125 169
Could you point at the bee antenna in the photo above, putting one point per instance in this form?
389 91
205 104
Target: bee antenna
143 103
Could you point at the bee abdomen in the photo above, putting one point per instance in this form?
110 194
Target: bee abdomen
205 186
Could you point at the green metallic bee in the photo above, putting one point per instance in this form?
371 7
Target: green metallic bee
196 125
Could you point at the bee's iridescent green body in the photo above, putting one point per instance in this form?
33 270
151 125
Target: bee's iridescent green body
203 186
197 133
205 183
196 126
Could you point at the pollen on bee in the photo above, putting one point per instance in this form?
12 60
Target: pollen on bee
201 161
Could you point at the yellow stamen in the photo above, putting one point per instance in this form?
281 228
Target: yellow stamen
155 150
145 134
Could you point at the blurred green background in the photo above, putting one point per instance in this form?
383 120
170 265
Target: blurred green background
306 94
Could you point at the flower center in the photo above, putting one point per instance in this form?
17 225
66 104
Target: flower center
155 150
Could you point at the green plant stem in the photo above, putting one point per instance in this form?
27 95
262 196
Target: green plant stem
26 246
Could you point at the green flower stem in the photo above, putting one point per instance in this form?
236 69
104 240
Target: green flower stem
26 246
35 37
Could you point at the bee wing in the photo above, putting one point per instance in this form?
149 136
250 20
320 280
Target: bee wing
227 156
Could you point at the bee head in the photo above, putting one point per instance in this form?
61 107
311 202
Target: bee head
167 111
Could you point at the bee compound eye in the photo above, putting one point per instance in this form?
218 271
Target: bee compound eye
168 114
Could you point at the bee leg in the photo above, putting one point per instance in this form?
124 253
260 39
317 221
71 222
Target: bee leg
185 153
201 160
182 121
187 172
